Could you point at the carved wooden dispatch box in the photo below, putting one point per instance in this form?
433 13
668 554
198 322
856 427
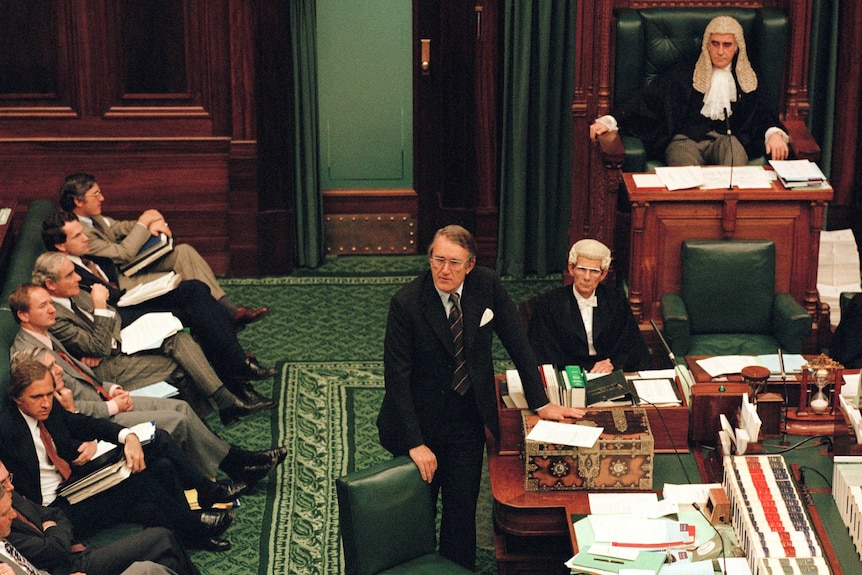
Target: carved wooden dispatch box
622 458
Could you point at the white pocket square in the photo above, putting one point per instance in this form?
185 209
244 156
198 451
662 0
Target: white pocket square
487 316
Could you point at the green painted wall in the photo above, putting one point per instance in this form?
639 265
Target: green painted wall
365 90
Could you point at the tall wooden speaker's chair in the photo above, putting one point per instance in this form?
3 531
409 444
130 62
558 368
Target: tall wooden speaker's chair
651 40
387 523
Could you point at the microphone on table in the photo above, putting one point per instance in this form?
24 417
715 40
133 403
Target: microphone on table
783 442
682 371
730 140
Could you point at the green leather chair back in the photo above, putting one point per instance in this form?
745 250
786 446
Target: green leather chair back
387 522
651 40
728 286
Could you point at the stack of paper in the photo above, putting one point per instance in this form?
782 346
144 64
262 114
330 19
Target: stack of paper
798 173
837 269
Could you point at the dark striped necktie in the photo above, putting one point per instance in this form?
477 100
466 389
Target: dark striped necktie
461 377
22 563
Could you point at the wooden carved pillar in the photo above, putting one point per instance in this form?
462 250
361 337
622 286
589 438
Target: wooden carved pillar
486 13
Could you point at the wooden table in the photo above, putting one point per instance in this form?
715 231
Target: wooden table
533 531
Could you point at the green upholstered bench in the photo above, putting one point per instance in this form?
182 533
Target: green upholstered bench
28 246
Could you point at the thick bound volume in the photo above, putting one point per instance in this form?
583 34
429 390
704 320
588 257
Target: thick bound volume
110 468
103 478
611 389
155 248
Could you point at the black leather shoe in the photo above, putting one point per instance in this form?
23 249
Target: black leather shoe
251 474
277 453
231 414
215 523
254 370
213 544
221 492
250 396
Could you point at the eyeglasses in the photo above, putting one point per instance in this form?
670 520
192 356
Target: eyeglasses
96 194
591 271
437 263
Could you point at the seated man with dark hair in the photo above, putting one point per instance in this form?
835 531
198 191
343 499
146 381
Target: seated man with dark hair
587 323
121 240
44 446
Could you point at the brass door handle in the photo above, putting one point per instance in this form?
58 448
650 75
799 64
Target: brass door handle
426 55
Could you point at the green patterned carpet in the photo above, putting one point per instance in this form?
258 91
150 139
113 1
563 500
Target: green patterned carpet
326 334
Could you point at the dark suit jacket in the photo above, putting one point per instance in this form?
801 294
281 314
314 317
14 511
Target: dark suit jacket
48 549
846 344
110 269
558 336
419 359
68 430
670 105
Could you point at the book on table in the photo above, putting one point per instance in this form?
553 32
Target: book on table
154 248
609 390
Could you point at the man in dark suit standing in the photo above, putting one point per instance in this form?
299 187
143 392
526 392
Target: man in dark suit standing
439 376
587 323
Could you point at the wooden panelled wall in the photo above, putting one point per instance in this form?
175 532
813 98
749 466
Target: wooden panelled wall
155 99
214 154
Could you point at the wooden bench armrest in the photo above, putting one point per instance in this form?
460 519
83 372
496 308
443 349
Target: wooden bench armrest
801 141
611 148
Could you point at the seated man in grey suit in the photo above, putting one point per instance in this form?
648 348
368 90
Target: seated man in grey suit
32 308
587 324
121 240
90 329
44 535
190 301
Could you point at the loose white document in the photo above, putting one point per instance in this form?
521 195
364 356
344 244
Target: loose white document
151 289
680 177
565 433
149 331
656 391
635 504
146 432
161 389
744 177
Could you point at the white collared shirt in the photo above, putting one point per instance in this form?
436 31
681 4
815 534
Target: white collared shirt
587 316
49 477
444 297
